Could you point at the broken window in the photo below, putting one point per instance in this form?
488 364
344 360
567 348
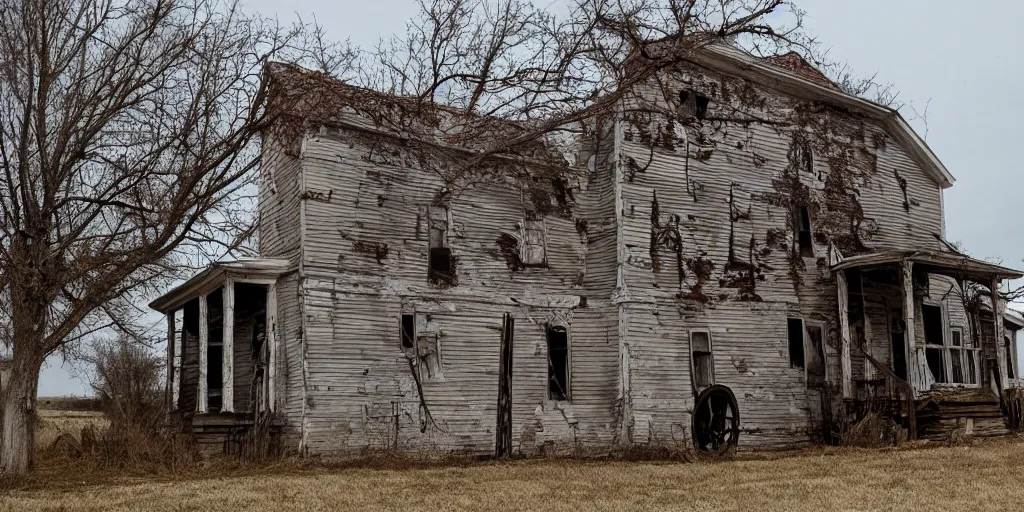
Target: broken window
440 261
693 104
558 363
815 350
956 358
807 350
408 331
803 235
533 248
795 329
703 366
935 350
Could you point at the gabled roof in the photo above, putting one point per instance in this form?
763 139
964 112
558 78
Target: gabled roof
784 73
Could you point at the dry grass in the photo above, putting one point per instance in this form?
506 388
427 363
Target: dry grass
54 423
978 477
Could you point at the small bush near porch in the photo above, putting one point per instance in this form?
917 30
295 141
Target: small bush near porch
978 477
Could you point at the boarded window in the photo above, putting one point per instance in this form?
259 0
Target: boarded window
935 352
408 331
795 330
558 363
533 249
803 234
701 359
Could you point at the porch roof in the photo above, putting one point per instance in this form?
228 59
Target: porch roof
936 262
214 276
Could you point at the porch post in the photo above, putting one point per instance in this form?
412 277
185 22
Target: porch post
168 393
997 322
179 345
228 347
204 340
844 333
909 316
271 340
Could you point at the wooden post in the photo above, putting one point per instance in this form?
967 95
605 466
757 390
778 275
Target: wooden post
503 430
168 393
909 316
844 333
271 340
997 322
202 398
228 348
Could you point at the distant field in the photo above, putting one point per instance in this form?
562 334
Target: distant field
984 477
54 423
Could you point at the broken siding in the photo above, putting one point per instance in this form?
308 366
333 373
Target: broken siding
365 264
736 270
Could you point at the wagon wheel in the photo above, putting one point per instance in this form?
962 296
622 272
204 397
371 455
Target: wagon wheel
716 420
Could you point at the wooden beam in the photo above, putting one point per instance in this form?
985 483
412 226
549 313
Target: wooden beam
271 340
998 310
844 333
202 393
179 347
168 394
909 316
228 348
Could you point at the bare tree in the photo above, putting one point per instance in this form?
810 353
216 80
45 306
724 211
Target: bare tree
127 135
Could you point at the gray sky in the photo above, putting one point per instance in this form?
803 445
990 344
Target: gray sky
961 59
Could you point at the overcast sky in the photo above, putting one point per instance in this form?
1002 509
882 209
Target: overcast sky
965 60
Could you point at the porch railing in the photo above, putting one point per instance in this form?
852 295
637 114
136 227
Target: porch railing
903 388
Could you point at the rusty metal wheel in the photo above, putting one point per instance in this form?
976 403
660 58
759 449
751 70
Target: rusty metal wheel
716 420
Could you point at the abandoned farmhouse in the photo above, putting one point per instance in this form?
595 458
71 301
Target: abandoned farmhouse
738 252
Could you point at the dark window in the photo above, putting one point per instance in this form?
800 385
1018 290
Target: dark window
558 363
816 358
702 106
795 329
804 233
408 331
703 362
439 259
931 316
1009 358
695 103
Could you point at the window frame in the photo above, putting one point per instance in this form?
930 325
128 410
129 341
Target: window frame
524 238
809 350
950 351
710 355
568 362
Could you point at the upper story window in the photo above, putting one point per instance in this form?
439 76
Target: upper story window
693 104
441 265
803 232
533 242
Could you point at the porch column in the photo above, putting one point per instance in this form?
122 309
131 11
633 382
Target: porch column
204 340
998 309
228 347
179 345
168 389
844 333
909 316
271 340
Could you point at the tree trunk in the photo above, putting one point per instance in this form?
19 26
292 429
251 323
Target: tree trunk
17 442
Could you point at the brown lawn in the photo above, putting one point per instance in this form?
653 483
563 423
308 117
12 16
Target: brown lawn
981 477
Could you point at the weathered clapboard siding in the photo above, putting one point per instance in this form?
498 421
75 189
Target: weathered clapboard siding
290 395
361 392
699 187
279 218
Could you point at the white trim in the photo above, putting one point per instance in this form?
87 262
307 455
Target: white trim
202 393
271 340
228 347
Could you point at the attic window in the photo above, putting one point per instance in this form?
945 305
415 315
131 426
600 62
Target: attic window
693 104
804 232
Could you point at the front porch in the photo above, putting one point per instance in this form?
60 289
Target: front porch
919 343
222 351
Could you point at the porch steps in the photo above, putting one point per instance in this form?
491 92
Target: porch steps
944 420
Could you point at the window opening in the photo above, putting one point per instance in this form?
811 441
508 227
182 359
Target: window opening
804 233
935 351
795 329
558 363
703 364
